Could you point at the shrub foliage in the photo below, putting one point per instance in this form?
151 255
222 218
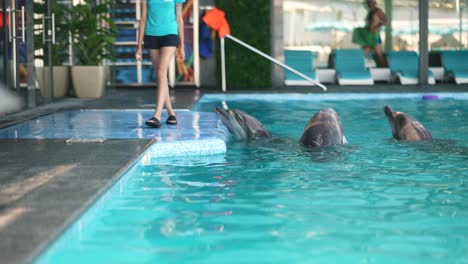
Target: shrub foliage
250 22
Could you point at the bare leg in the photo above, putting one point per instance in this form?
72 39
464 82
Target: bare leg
380 56
367 51
170 111
168 104
161 59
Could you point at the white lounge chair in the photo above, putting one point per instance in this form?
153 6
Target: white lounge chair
350 67
456 65
302 61
404 66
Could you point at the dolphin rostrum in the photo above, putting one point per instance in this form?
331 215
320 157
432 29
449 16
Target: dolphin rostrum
242 125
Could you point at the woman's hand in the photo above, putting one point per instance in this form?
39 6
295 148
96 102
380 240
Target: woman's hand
180 54
138 54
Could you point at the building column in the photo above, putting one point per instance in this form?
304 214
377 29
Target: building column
388 27
31 67
423 41
277 41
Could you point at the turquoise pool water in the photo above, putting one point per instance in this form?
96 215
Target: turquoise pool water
272 201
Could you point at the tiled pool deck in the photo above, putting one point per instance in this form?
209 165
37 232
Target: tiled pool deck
55 166
197 133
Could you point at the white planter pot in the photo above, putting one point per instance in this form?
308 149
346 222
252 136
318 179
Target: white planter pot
61 80
89 81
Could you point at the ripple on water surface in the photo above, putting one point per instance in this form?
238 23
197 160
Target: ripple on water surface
272 201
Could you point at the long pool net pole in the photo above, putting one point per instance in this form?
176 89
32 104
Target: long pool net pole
223 63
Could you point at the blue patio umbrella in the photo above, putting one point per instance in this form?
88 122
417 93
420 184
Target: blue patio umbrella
439 30
329 25
406 31
447 30
332 26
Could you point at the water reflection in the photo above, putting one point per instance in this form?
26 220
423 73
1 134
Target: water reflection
266 200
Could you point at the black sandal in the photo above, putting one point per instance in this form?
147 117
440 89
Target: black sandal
171 120
153 122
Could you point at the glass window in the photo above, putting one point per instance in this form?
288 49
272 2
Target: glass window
448 24
322 26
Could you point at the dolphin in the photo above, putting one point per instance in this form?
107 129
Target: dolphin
324 129
242 125
405 127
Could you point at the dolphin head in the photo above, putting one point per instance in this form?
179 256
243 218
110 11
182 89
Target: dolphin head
324 129
242 125
390 114
233 121
405 127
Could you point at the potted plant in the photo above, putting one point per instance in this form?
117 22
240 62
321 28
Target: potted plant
93 34
60 53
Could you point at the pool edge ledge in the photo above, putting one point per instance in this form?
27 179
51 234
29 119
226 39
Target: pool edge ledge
197 147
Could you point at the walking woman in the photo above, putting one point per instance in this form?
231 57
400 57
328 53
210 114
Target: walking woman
161 30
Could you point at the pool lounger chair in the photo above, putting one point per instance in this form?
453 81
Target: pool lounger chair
350 67
302 61
455 65
404 66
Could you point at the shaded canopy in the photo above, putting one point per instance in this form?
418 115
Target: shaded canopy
446 41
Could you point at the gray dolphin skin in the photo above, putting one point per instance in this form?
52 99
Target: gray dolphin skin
405 127
324 129
242 125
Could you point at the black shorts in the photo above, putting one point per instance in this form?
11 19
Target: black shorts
157 42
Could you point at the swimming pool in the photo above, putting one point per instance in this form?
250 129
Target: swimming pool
271 201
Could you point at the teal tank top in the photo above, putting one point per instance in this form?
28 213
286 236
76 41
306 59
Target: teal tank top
161 17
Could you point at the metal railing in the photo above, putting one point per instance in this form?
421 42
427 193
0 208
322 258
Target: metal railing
223 63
